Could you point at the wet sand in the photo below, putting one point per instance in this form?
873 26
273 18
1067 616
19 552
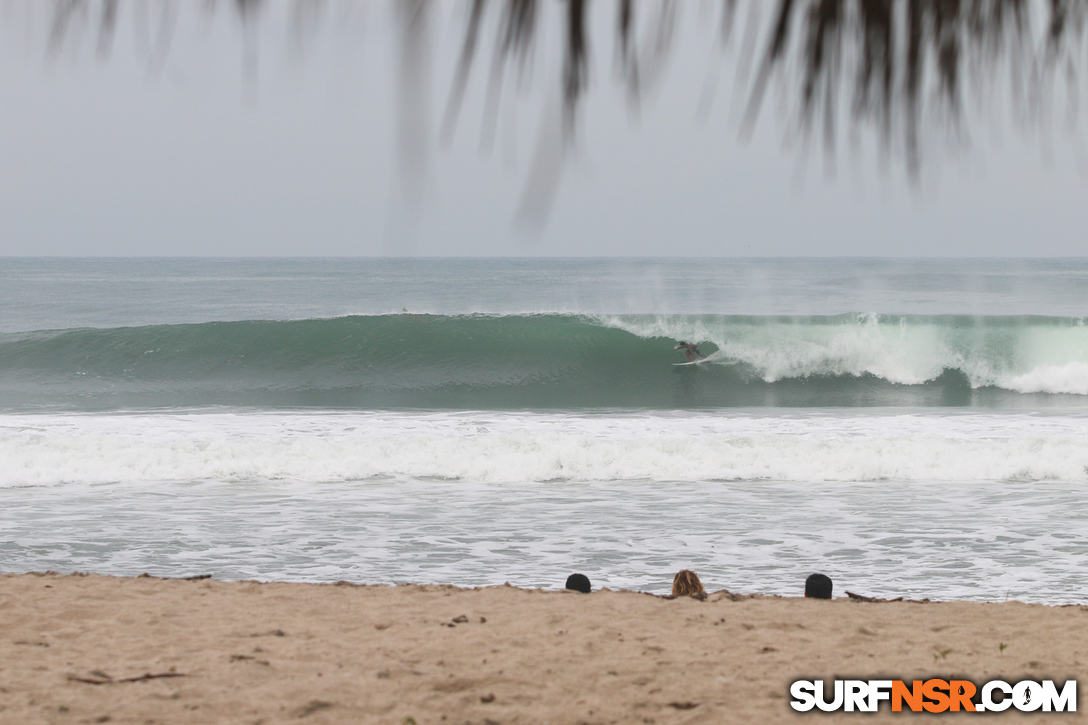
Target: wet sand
86 649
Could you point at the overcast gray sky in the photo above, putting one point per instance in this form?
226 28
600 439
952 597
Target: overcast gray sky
264 142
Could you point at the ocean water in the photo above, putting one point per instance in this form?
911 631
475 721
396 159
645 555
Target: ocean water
909 427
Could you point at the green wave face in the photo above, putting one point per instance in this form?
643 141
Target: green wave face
550 361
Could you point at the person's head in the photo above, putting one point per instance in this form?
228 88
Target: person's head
818 586
686 584
579 583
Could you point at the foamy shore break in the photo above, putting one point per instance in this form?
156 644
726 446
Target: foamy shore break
90 648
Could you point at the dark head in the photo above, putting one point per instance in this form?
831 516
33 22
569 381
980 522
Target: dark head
818 586
579 583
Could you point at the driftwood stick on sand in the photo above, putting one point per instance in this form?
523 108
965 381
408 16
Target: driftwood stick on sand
101 678
863 598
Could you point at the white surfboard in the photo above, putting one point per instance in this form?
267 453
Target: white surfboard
692 362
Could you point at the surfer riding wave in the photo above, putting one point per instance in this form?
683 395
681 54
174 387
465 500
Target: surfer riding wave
691 351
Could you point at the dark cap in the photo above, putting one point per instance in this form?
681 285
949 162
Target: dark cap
818 586
579 583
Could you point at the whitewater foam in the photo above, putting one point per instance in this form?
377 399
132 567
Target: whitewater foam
511 447
1022 354
1069 378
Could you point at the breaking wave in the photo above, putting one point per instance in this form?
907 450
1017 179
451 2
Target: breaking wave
548 361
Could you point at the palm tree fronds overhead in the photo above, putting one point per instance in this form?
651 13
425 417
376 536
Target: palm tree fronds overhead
909 74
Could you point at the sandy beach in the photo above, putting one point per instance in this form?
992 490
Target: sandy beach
88 648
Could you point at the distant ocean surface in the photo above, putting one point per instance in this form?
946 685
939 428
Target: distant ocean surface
909 427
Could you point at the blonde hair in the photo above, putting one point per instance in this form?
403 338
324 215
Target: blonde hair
686 584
